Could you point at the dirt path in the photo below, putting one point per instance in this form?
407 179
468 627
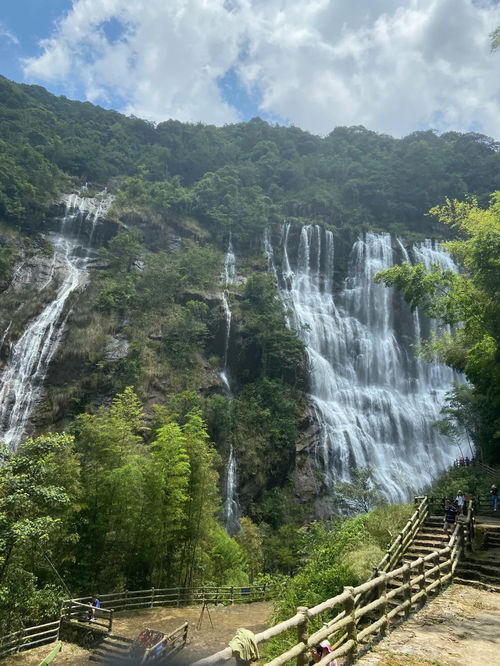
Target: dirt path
201 642
205 640
461 626
71 654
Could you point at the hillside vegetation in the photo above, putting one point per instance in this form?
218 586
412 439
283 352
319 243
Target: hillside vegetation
120 487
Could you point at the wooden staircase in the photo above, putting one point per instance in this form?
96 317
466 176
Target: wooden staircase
481 568
430 537
112 650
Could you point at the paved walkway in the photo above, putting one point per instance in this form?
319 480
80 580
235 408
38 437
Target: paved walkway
460 627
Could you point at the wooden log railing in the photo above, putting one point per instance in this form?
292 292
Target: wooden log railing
29 637
80 608
72 610
355 624
179 596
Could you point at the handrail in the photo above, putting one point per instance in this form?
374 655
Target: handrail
23 638
444 561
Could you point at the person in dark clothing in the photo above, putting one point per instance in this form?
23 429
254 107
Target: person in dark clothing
450 517
493 497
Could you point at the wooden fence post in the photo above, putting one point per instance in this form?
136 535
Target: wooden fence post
352 632
152 597
303 635
407 591
382 592
423 582
232 595
110 627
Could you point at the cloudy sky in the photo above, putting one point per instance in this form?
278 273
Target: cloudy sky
392 65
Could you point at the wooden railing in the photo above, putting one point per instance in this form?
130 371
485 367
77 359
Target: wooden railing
81 609
356 622
400 544
73 609
29 637
178 596
491 472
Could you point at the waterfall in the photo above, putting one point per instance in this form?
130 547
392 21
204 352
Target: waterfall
227 314
231 506
22 379
366 388
230 264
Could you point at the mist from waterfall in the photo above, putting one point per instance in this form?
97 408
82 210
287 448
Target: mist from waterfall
374 402
22 379
231 505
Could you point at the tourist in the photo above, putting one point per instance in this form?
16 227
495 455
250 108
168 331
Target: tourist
95 603
321 650
493 497
460 501
450 517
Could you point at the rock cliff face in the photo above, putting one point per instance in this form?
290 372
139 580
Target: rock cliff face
36 305
369 399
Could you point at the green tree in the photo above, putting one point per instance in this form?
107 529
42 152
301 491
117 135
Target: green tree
112 477
39 499
495 39
204 500
166 481
359 495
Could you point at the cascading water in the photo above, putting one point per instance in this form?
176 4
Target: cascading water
231 506
373 401
22 379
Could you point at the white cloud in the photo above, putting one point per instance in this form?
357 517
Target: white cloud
392 66
7 38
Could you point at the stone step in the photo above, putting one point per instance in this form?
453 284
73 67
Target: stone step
435 536
481 567
425 546
492 539
474 577
113 650
490 587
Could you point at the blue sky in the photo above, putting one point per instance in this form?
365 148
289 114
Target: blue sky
391 65
27 21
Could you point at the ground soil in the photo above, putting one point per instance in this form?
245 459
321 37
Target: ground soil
71 654
459 627
203 639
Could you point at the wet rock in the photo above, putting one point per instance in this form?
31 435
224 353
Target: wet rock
117 348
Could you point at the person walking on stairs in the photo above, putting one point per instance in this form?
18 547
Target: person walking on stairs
493 497
450 517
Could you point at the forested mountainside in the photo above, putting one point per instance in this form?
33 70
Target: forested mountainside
189 324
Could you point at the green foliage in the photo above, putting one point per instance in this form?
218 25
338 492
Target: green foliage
240 177
335 556
268 347
250 540
470 480
469 301
495 39
361 494
39 498
7 258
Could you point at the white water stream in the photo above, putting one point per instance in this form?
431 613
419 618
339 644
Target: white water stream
374 402
231 505
22 379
